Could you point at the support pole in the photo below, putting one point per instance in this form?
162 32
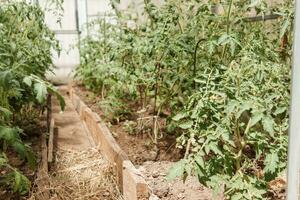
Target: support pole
82 17
294 131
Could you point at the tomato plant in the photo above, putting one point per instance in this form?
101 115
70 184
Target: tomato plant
220 78
25 56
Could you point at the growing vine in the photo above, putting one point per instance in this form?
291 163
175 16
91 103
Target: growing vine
25 57
218 76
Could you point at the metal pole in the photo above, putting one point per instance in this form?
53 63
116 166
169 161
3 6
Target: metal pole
87 17
82 17
294 131
76 16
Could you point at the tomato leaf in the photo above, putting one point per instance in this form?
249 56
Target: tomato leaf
177 170
41 92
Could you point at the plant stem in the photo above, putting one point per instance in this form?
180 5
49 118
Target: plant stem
227 25
188 146
228 16
239 155
156 86
195 60
241 145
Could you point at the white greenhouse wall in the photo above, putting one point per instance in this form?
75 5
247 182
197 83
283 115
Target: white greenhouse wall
98 9
67 34
74 17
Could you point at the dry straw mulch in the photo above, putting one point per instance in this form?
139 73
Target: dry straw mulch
78 175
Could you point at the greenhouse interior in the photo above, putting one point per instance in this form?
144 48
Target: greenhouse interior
149 99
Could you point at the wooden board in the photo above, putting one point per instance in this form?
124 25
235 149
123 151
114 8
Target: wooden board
131 182
42 173
51 141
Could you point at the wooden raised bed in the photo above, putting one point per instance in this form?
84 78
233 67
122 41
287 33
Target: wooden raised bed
130 180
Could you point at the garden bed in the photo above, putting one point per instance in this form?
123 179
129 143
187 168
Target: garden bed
138 146
153 161
155 166
212 78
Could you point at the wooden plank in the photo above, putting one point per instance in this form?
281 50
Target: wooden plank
132 182
49 110
50 141
44 162
134 187
105 141
42 173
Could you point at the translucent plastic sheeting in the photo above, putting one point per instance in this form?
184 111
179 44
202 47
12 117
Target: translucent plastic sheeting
67 33
82 17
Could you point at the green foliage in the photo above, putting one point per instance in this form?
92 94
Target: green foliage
18 181
25 57
130 127
177 170
224 80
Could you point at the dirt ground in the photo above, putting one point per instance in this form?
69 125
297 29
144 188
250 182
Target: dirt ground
155 174
154 161
140 148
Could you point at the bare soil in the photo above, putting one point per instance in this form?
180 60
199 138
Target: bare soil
155 174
